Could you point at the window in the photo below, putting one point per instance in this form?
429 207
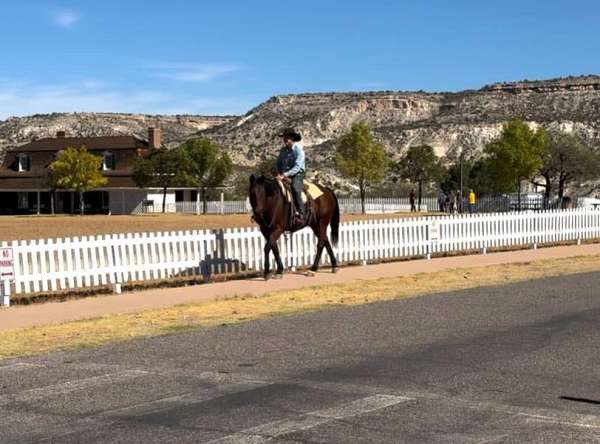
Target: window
108 161
23 162
23 201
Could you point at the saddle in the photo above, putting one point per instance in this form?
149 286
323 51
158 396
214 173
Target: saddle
310 193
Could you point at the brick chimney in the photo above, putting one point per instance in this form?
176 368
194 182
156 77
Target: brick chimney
154 138
61 134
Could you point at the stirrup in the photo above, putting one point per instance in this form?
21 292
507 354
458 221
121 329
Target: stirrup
298 220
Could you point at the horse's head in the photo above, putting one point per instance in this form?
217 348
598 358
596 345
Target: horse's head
261 191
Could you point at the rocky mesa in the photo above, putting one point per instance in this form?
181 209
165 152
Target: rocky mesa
450 122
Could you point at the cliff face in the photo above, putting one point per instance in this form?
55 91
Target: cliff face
175 129
450 122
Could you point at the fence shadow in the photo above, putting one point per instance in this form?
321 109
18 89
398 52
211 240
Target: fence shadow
217 261
213 264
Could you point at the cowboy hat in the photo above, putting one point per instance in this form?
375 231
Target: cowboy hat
291 133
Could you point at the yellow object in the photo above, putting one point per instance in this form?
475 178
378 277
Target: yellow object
471 198
313 190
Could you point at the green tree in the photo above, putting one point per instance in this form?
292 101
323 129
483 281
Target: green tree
566 159
208 166
76 169
475 174
515 156
420 165
479 178
361 158
163 169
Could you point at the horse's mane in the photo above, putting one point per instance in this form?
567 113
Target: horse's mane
270 185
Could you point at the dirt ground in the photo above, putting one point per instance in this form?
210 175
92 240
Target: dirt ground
46 227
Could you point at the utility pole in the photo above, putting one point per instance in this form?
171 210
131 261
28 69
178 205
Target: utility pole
461 203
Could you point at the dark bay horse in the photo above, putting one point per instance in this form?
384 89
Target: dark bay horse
271 210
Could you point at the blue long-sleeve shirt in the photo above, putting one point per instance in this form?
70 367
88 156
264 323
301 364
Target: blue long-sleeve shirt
291 161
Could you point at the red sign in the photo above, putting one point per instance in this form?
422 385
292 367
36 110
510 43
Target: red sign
7 264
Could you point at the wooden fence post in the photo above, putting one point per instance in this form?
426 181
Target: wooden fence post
116 258
5 292
428 237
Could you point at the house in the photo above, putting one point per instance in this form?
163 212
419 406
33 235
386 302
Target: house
24 186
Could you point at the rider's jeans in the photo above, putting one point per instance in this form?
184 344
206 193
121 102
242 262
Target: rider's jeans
297 185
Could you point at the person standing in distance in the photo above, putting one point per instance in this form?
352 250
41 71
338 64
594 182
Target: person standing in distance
472 201
412 198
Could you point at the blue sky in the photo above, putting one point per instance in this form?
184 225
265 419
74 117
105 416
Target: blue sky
224 57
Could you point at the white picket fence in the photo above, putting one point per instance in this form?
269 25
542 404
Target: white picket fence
381 205
73 263
347 206
212 207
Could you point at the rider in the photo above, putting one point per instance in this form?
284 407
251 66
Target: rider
290 163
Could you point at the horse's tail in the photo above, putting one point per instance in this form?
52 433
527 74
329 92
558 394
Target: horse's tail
335 221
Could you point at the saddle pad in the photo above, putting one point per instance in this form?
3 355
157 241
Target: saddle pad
313 190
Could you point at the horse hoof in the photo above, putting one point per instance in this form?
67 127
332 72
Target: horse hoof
335 270
309 273
267 276
278 276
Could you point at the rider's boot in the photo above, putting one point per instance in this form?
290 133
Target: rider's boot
300 216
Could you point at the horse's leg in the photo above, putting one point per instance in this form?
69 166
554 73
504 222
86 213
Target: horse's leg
325 241
316 227
271 245
267 250
315 265
274 238
267 263
320 230
334 265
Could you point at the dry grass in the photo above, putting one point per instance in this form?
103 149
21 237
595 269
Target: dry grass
244 308
44 227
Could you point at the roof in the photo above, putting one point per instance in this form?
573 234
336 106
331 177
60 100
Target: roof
91 143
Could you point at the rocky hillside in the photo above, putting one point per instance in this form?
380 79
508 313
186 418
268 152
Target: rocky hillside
450 122
175 129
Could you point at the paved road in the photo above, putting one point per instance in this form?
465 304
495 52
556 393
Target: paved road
484 365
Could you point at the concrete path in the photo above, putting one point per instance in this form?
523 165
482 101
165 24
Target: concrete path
42 314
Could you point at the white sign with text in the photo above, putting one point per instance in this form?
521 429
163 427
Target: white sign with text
7 264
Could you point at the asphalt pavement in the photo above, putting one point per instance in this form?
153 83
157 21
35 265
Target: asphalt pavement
507 364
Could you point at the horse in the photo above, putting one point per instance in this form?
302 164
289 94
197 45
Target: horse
271 210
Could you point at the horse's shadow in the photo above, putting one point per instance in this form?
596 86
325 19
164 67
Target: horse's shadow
582 400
